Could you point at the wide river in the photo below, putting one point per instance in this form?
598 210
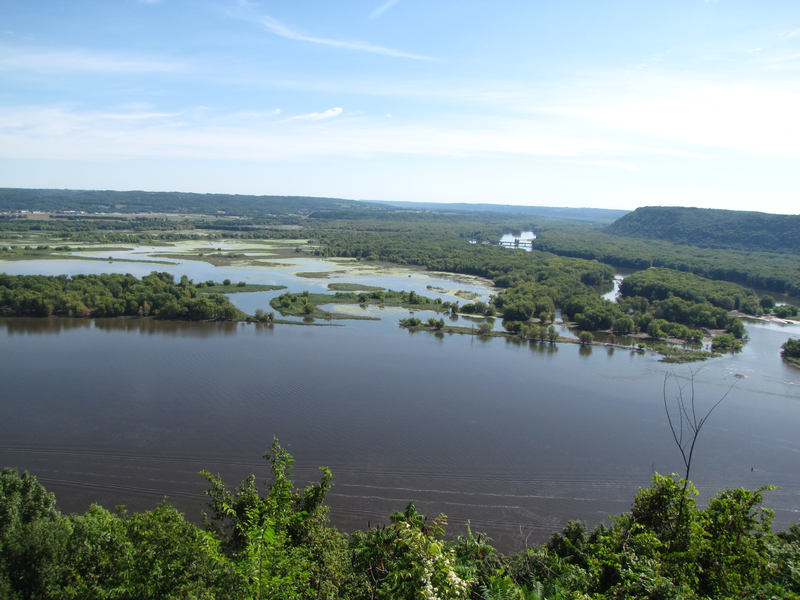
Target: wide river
516 437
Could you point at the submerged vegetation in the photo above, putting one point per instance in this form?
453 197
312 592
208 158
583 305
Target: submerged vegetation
277 542
680 354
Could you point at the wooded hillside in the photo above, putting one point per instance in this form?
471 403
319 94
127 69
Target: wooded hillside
176 202
712 228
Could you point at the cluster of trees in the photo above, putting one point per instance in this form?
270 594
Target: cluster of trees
536 282
662 284
763 270
532 331
112 295
277 542
433 322
663 303
295 304
791 351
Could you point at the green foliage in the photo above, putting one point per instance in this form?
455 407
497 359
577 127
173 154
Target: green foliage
99 555
623 326
264 317
435 324
726 341
661 284
785 311
110 296
666 547
791 350
679 354
280 544
306 303
679 301
586 338
765 270
410 322
409 560
712 228
535 282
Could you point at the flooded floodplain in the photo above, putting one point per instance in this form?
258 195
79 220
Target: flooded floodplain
517 437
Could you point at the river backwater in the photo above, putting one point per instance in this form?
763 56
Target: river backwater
516 437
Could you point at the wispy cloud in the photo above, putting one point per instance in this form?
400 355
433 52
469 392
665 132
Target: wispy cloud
53 132
316 116
248 11
382 8
14 58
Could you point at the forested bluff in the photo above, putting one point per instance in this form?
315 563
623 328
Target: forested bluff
276 541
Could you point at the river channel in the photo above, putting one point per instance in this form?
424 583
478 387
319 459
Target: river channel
516 437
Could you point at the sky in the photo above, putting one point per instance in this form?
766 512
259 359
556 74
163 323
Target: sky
602 103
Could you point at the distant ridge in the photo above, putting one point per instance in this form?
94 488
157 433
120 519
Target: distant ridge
171 202
712 228
581 214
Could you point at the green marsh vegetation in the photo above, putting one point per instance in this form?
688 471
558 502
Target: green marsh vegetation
306 303
214 287
665 303
354 287
680 354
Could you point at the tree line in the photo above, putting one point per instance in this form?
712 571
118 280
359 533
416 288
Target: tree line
277 542
758 269
112 295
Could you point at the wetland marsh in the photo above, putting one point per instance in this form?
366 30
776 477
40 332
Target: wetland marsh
517 436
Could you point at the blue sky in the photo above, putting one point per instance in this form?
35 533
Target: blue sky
613 104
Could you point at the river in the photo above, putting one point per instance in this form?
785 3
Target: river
517 437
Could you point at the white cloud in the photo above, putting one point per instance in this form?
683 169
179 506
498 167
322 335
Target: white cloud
756 115
315 116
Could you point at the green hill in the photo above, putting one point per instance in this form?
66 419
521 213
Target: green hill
172 202
712 228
